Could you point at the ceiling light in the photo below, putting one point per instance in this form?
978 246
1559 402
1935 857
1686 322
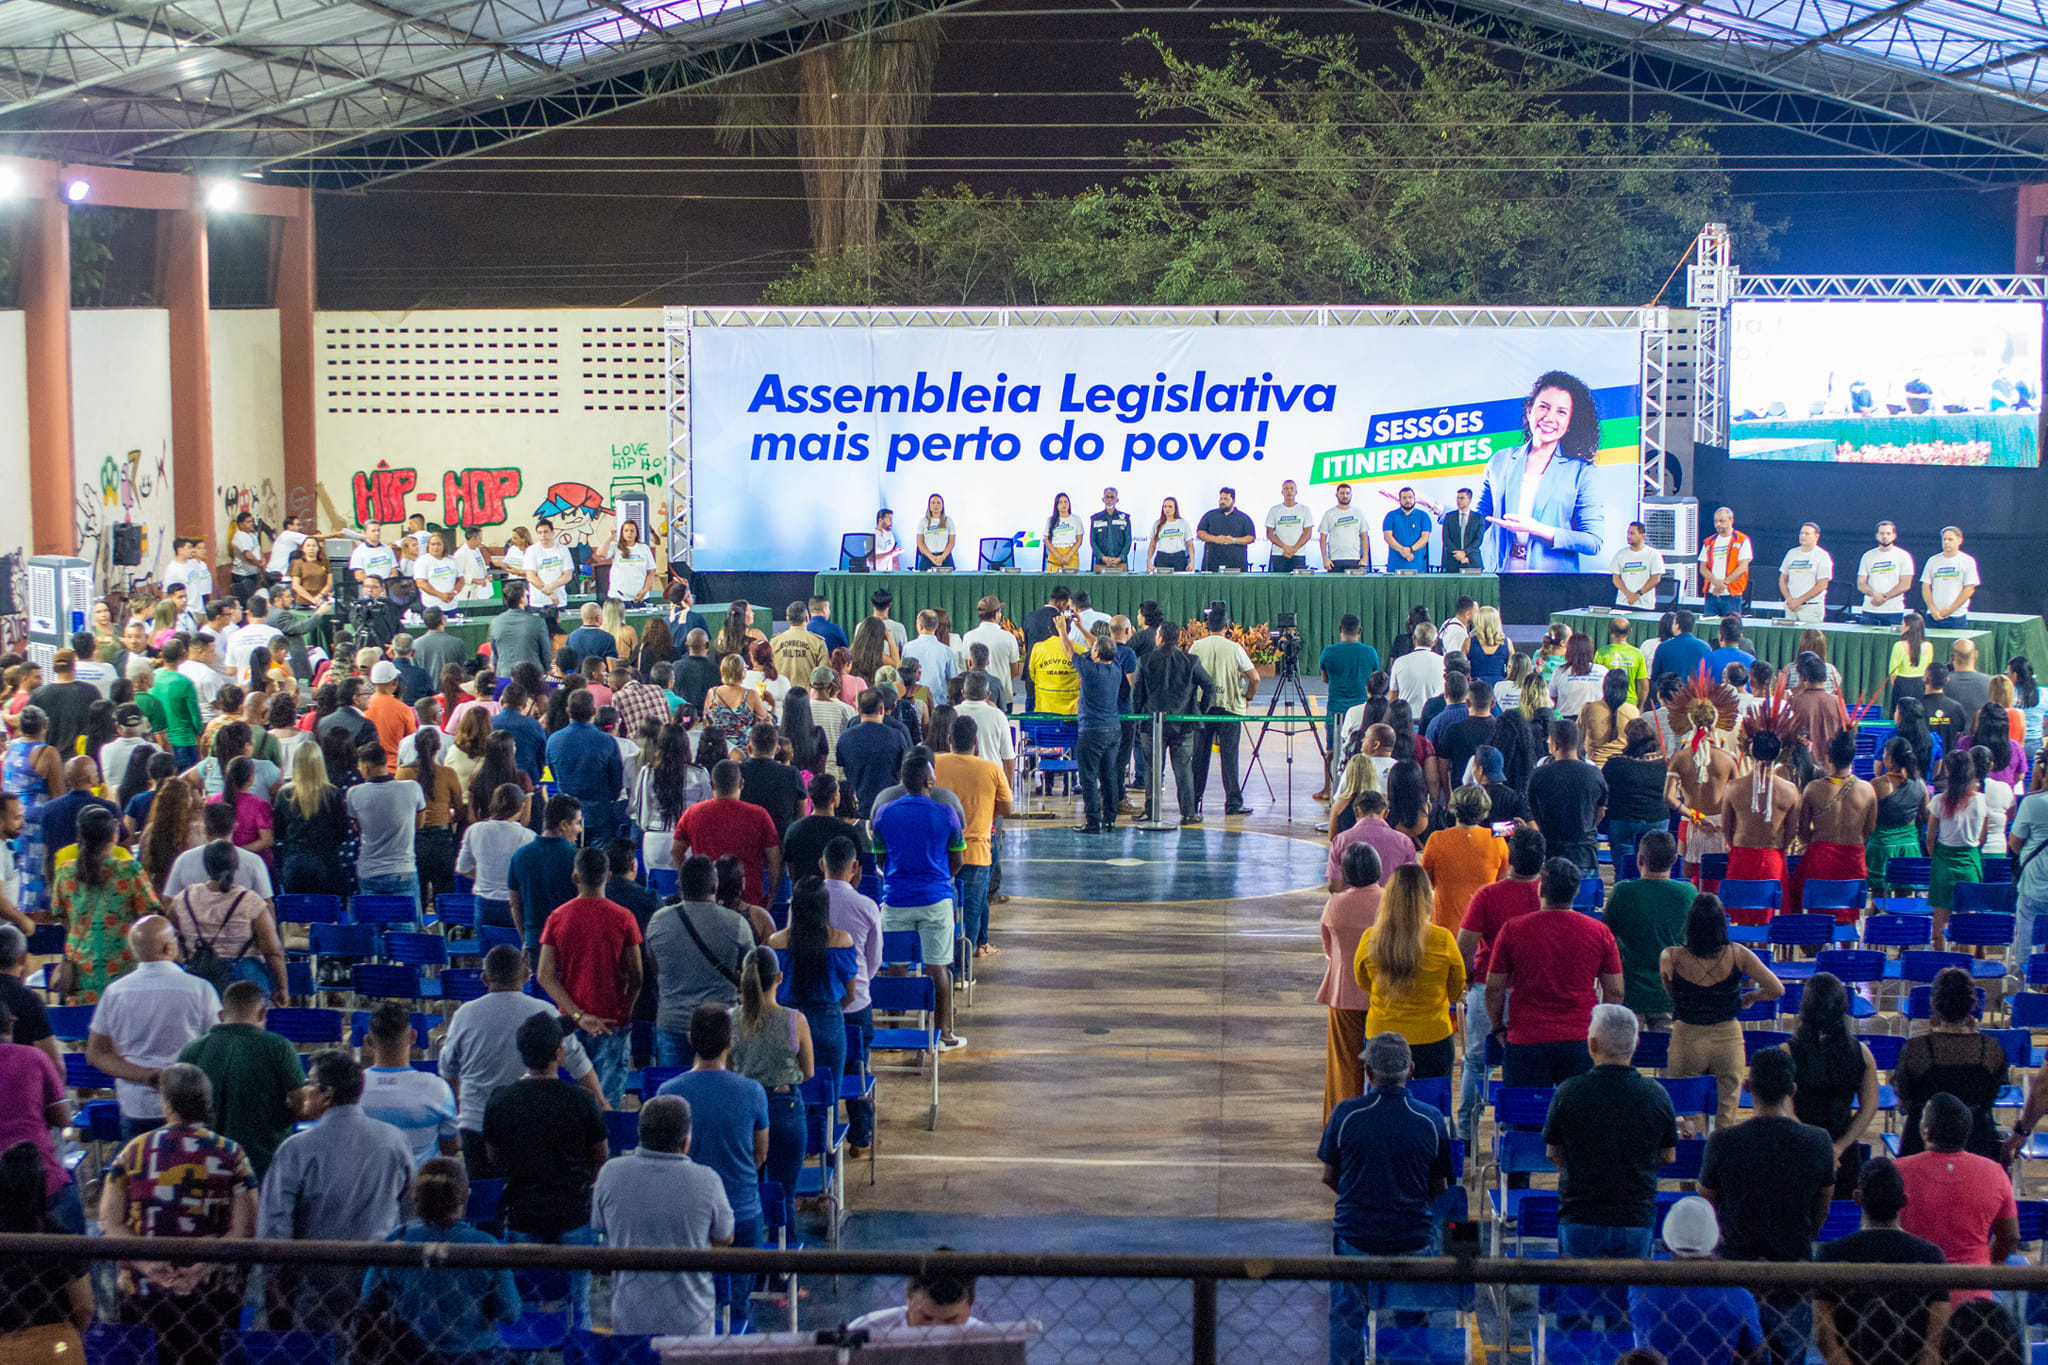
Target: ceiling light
223 196
76 191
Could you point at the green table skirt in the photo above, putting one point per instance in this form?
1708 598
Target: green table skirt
1862 654
1380 601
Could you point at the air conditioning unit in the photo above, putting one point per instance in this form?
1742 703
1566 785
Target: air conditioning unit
59 595
1672 525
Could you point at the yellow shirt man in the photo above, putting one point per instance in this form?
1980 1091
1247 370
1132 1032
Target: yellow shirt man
1055 685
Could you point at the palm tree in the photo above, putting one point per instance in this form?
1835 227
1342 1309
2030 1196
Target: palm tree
851 103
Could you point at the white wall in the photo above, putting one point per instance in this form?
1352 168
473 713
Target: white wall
496 409
248 418
121 432
15 523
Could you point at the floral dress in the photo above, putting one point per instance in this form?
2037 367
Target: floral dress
24 781
97 920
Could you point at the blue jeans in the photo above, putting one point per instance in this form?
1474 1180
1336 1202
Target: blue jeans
497 914
579 1280
1597 1242
732 1291
828 1045
1469 1092
407 885
860 1114
786 1136
1624 835
973 892
66 1210
612 1055
673 1049
600 822
2030 935
1543 1064
1347 1303
1788 1324
1722 606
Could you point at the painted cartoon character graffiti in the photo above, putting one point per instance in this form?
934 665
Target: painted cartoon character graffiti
129 488
578 511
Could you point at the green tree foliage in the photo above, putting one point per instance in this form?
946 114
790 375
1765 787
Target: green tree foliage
1307 177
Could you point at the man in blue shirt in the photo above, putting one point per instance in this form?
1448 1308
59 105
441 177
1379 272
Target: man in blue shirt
919 846
529 740
587 766
1099 743
1728 649
1406 530
591 640
871 751
1388 1157
1224 532
728 1134
821 624
542 875
1682 654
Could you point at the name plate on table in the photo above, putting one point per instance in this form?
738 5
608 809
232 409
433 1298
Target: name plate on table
941 568
1356 573
1117 568
1407 573
1471 568
1225 568
1302 573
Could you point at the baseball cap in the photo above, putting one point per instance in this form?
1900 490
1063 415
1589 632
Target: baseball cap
822 676
989 603
129 714
1691 1228
383 672
1491 763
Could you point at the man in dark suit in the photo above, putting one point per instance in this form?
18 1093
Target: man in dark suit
1463 530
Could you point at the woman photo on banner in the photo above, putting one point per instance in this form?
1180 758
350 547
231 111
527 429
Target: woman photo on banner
1542 511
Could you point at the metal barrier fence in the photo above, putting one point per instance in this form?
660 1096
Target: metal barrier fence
1126 1310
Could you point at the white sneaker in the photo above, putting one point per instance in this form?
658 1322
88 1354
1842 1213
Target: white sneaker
951 1042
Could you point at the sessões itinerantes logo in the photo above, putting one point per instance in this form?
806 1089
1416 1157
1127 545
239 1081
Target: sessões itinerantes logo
1459 438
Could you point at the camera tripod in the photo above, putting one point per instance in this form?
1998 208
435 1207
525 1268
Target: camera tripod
1288 693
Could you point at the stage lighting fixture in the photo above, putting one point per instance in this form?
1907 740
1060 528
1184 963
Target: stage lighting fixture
223 196
76 191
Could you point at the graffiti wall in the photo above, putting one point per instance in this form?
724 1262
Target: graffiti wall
121 433
248 420
490 419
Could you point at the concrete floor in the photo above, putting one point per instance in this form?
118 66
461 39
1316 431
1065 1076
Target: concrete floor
1145 1055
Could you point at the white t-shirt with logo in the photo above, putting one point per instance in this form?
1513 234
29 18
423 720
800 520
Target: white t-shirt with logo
932 534
1803 568
1291 524
476 574
1636 569
544 562
375 561
1065 533
1345 528
282 549
1945 577
197 577
1885 568
439 574
97 672
242 542
631 568
1172 538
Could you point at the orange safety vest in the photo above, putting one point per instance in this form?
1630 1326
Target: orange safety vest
1737 582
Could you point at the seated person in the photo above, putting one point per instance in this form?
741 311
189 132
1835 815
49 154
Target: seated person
930 1299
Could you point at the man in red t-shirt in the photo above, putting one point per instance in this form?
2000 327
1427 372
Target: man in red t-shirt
1558 964
727 825
1955 1199
590 966
1490 908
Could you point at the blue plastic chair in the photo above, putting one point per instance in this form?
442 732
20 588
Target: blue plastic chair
47 940
71 1023
1691 1094
278 1348
484 1198
343 940
303 908
2028 1010
423 1026
386 981
585 1347
79 1074
1834 895
1911 874
662 881
489 936
1898 931
1738 894
918 996
1762 1040
376 908
118 1343
654 1077
902 946
621 1130
1434 1091
1589 894
462 984
306 1028
1653 1050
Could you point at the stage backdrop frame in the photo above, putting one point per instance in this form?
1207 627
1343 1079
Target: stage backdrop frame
1666 427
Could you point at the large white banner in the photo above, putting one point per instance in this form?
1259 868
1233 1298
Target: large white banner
799 434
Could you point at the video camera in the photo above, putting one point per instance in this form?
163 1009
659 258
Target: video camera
1285 633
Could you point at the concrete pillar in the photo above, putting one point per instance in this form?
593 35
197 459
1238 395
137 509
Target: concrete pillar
44 272
181 259
298 353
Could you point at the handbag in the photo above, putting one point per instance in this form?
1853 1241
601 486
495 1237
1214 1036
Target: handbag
202 959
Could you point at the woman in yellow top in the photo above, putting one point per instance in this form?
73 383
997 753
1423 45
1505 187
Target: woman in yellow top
1910 657
1412 974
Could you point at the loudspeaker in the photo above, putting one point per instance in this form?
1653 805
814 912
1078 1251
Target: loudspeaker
127 543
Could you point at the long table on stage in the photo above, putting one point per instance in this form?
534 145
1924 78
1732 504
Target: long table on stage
1380 601
1862 654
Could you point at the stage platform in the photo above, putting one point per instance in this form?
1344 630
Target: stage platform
1862 654
1381 601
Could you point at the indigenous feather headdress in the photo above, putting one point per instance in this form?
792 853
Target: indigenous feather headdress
1777 719
1706 706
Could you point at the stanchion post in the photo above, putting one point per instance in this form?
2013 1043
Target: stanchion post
1155 794
1204 1352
